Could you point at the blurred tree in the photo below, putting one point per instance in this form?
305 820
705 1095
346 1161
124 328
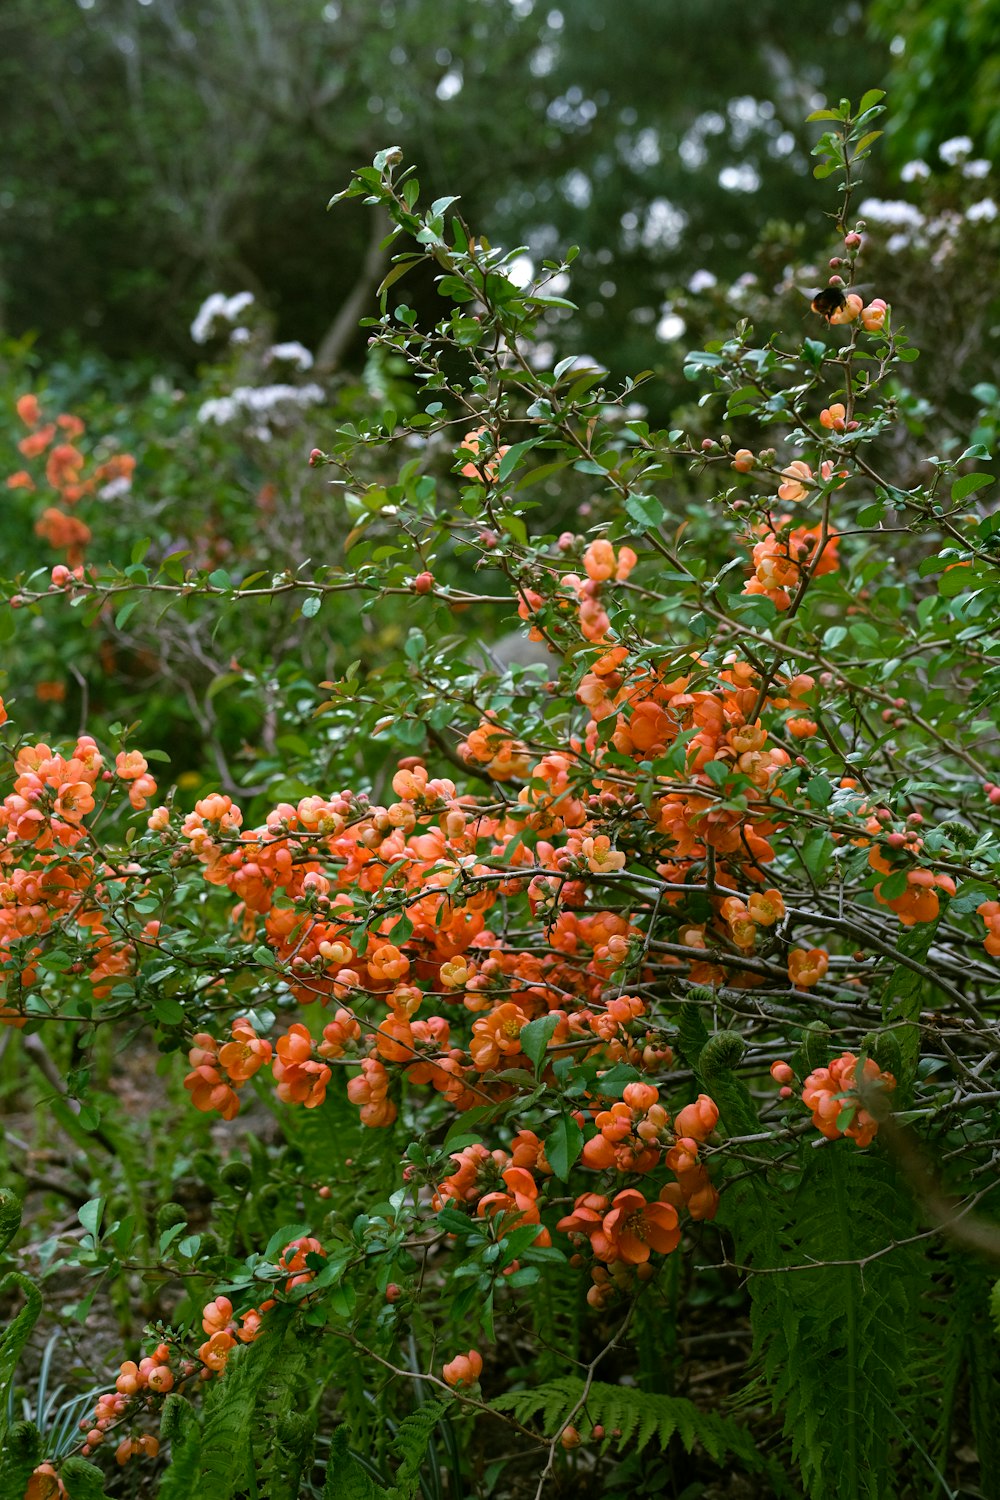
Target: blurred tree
945 75
155 151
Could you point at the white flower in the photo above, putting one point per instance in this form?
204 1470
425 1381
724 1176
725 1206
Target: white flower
115 488
915 171
702 281
220 410
670 327
891 211
237 305
291 353
210 309
218 308
984 211
897 242
952 151
240 336
258 401
977 168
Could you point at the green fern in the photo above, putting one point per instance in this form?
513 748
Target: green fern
901 1002
411 1444
345 1477
10 1217
833 1342
692 1033
984 1384
635 1417
232 1416
14 1337
20 1452
288 1433
180 1426
348 1479
83 1481
557 1319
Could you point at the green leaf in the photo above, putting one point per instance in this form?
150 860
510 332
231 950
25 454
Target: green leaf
969 484
614 1082
819 791
283 1236
817 853
125 613
90 1215
646 511
563 1145
168 1012
512 458
535 1037
311 606
959 578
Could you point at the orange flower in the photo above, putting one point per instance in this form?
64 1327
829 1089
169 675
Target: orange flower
873 316
796 480
831 1094
63 466
634 1228
599 560
807 968
37 442
217 1315
44 1483
850 310
247 1052
497 1035
484 469
28 410
990 913
215 1351
464 1369
519 1202
294 1259
697 1120
766 907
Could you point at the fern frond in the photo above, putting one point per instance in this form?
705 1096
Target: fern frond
21 1451
984 1394
15 1336
231 1417
345 1478
10 1217
902 999
411 1443
83 1481
285 1444
637 1418
833 1342
179 1482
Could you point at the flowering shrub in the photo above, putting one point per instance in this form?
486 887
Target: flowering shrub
523 1001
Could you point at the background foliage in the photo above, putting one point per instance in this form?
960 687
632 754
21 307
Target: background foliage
148 164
